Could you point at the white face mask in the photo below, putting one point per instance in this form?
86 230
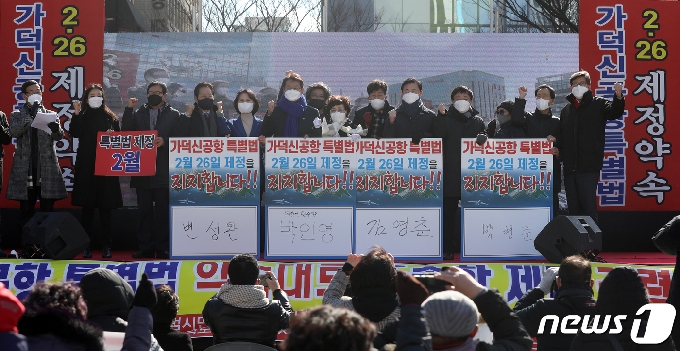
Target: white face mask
542 104
95 102
245 107
34 98
377 104
338 117
410 98
578 91
462 106
293 95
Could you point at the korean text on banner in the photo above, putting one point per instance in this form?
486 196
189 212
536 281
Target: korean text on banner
59 44
506 197
214 197
126 154
635 42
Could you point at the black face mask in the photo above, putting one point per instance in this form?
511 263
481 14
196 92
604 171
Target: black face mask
317 103
205 104
154 100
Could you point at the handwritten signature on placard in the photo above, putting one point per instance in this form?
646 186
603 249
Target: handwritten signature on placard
402 226
488 231
214 230
307 231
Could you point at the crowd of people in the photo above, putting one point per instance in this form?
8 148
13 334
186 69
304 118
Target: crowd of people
578 136
368 305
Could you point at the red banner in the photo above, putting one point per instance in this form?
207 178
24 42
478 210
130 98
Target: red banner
126 154
635 42
59 44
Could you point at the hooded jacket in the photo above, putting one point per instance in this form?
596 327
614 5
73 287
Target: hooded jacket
108 299
452 127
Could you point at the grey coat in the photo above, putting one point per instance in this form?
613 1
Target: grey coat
51 182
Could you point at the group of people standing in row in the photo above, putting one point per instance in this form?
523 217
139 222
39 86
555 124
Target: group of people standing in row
578 136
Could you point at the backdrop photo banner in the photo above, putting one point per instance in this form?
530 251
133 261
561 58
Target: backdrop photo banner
60 45
126 153
506 197
214 197
328 197
635 42
305 282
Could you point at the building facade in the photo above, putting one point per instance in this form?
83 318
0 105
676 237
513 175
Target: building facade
154 16
559 82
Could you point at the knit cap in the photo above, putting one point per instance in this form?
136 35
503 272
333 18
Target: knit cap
621 292
451 314
507 104
11 309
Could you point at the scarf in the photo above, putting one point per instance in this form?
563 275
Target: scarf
412 110
243 296
294 110
375 303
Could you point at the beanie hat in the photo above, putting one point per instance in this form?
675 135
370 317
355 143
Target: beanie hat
621 292
451 314
11 309
507 104
106 293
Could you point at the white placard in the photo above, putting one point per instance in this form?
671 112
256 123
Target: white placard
203 231
503 232
403 232
309 231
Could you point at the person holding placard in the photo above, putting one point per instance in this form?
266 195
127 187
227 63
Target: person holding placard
246 125
411 119
336 123
503 127
35 173
461 120
204 119
372 117
291 117
89 190
153 197
317 95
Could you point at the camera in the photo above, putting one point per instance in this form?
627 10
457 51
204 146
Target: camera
433 285
263 279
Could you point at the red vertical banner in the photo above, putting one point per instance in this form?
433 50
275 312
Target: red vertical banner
59 44
636 42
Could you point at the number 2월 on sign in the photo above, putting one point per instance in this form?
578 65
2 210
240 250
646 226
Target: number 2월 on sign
214 197
126 153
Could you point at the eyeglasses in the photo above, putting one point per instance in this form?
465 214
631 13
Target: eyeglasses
159 93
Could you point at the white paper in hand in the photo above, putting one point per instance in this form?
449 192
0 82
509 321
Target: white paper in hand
42 119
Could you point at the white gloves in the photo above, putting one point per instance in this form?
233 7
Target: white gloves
547 279
317 122
355 137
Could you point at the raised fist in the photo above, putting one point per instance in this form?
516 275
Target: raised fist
219 106
523 92
618 88
393 115
76 106
442 109
190 110
132 102
270 107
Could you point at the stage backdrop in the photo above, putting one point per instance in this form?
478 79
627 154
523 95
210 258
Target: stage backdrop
59 44
305 282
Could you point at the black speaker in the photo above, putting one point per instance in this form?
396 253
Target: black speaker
566 236
59 235
666 239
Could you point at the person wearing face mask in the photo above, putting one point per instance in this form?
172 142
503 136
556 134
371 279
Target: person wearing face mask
204 119
90 191
5 139
150 75
317 95
246 125
291 117
411 119
35 173
581 142
541 123
336 123
372 117
156 115
461 120
502 127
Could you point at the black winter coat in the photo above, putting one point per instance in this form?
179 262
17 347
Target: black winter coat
108 297
405 126
5 139
257 325
274 125
537 125
452 127
581 138
508 130
57 330
366 116
532 307
89 189
167 126
172 340
603 342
